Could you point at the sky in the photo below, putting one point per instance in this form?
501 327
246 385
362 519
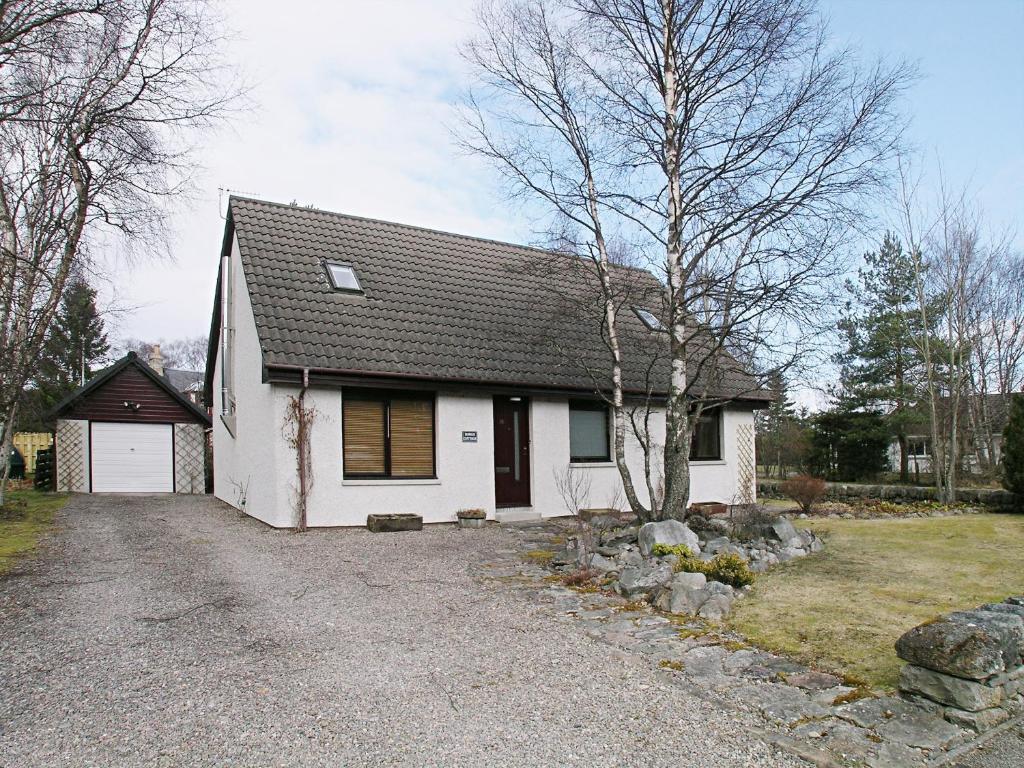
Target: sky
353 106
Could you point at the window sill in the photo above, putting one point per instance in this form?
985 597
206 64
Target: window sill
591 464
391 481
708 462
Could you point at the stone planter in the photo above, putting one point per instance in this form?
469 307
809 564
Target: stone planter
471 518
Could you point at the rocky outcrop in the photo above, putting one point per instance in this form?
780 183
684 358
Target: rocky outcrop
669 533
970 662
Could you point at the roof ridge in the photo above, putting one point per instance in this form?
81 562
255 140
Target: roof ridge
418 228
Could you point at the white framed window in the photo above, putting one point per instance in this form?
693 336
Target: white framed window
650 319
344 277
588 432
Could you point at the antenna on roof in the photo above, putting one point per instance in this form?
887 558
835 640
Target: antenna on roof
220 198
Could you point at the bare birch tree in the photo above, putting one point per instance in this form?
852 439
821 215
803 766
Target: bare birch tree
99 101
725 140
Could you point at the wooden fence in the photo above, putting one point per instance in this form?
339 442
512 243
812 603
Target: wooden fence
30 442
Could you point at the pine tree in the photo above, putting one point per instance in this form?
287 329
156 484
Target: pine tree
882 366
76 344
1013 450
781 438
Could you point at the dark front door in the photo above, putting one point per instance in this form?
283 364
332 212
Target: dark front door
511 452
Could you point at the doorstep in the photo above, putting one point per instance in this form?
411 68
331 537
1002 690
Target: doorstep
516 514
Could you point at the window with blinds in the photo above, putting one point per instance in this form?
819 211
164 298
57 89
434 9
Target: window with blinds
388 436
588 432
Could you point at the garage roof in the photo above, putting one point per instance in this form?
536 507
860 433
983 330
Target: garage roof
169 407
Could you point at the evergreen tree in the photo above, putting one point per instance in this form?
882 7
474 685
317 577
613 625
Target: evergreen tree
76 343
781 432
1013 450
848 442
882 365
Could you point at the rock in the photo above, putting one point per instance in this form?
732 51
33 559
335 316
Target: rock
922 731
790 552
979 722
817 546
716 545
783 530
634 581
1016 610
867 713
686 600
892 755
968 644
631 557
850 742
565 557
601 563
705 661
1016 600
718 588
782 703
689 580
393 523
813 681
960 693
667 532
618 537
716 607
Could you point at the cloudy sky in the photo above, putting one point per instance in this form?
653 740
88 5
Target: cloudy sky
354 104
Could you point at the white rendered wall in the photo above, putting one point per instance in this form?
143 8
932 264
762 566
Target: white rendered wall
465 471
245 465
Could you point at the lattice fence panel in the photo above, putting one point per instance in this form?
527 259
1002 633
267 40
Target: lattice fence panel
746 466
72 455
189 459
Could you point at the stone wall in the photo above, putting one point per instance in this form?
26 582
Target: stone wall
969 663
995 497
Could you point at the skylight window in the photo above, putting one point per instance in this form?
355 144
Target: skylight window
343 278
650 319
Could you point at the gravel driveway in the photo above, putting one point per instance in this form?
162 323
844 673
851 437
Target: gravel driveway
174 631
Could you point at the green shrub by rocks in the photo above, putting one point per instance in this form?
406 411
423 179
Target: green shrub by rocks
728 568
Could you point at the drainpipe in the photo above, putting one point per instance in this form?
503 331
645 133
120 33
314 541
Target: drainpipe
225 286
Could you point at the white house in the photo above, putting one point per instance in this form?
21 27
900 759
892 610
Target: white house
443 372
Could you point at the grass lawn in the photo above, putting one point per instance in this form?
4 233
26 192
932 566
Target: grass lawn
844 608
23 520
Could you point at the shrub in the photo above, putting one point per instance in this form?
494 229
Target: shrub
679 550
730 569
805 490
580 578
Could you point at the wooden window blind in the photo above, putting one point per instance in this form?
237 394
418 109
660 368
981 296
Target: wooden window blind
388 436
364 437
412 438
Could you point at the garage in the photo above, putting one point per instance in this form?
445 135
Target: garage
129 431
132 458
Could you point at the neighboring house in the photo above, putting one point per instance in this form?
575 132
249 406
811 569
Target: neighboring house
982 419
440 372
127 430
188 383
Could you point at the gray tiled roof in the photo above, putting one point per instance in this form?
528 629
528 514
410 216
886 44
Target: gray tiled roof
182 380
437 305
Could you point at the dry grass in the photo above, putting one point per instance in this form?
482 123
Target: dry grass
844 609
23 520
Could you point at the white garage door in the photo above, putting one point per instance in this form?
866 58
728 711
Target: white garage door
132 458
